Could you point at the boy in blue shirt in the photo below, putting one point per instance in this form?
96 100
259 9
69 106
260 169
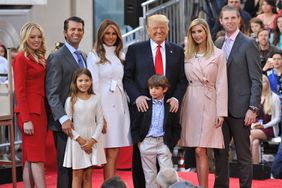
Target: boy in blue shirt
156 131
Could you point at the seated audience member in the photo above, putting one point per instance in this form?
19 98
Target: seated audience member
268 118
266 49
256 25
276 35
268 13
167 177
275 74
113 182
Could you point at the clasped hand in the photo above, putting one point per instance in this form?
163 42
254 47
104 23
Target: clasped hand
86 145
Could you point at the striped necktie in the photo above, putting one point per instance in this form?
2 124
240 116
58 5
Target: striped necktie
227 46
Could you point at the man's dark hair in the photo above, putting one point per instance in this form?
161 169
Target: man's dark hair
158 81
75 19
277 52
229 8
113 182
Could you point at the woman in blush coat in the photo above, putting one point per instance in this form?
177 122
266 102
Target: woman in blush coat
205 102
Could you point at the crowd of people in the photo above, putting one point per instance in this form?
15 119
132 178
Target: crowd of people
217 89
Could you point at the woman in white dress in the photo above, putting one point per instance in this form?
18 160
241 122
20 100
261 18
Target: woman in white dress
85 148
105 62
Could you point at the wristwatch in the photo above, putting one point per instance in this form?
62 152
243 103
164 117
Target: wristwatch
253 108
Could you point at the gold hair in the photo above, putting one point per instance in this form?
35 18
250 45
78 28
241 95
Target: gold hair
192 47
24 35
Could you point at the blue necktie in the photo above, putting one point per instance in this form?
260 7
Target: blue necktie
80 61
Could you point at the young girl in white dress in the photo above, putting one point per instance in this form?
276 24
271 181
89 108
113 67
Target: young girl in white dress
84 149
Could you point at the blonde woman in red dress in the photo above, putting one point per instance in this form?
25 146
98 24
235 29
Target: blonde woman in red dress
29 75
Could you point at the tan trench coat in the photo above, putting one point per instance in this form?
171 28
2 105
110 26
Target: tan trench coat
205 99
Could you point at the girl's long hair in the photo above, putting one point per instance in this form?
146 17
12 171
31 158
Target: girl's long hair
267 105
73 87
192 47
99 48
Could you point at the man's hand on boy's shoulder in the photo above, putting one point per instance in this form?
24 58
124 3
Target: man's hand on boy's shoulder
141 103
174 104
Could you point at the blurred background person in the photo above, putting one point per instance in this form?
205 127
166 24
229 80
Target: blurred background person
275 74
268 118
29 74
3 51
256 24
268 13
266 49
276 35
3 80
105 62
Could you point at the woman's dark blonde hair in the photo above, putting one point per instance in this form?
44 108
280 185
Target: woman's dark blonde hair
99 48
73 87
192 47
24 35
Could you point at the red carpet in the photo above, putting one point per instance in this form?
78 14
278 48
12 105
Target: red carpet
124 162
126 176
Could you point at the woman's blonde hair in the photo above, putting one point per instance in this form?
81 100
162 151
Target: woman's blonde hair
24 35
192 47
99 48
267 105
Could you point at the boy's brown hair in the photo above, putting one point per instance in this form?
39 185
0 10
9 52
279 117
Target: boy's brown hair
158 80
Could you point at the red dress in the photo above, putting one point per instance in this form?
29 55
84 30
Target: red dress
29 78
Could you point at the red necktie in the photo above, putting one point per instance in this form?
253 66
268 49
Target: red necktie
158 61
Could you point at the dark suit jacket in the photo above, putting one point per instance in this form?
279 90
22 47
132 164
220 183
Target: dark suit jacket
244 75
139 67
141 122
60 68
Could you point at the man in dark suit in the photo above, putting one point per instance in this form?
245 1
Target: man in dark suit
244 90
60 68
140 65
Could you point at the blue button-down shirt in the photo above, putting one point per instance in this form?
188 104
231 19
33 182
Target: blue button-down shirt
157 122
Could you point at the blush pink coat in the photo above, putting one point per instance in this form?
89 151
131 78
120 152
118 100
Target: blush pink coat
205 99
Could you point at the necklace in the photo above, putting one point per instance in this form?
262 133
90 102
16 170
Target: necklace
199 56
